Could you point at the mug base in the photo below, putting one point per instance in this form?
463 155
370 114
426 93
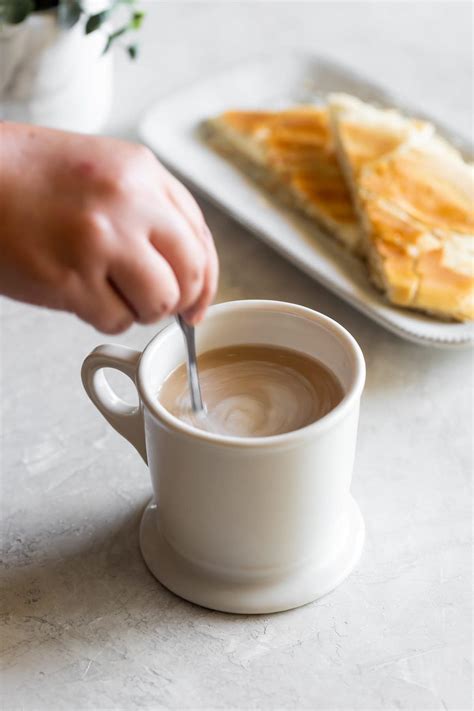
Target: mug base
265 596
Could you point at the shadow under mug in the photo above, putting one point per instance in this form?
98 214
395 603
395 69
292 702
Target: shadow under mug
246 525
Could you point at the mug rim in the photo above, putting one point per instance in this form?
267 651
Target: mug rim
158 411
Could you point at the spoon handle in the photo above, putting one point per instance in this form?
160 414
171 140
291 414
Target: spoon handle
193 375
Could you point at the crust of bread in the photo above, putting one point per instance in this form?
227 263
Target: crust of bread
415 198
292 154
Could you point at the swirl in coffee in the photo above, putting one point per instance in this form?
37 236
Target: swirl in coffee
254 391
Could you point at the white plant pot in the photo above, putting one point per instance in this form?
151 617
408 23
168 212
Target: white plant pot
53 76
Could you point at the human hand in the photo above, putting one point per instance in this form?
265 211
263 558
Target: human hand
98 227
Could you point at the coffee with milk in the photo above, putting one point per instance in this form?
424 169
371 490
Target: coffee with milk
254 391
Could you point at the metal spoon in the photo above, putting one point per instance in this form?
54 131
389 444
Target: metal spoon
193 375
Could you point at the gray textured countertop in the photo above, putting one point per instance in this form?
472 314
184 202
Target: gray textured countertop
85 626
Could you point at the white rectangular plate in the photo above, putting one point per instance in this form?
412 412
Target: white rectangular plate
172 129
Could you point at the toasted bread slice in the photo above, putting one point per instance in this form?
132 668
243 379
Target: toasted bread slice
292 153
415 197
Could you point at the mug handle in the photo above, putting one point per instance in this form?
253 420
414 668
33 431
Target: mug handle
126 419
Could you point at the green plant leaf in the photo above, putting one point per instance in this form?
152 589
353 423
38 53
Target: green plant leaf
132 50
108 44
112 37
118 33
15 11
95 21
69 11
136 21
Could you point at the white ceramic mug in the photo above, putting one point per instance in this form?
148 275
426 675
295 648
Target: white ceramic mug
247 525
